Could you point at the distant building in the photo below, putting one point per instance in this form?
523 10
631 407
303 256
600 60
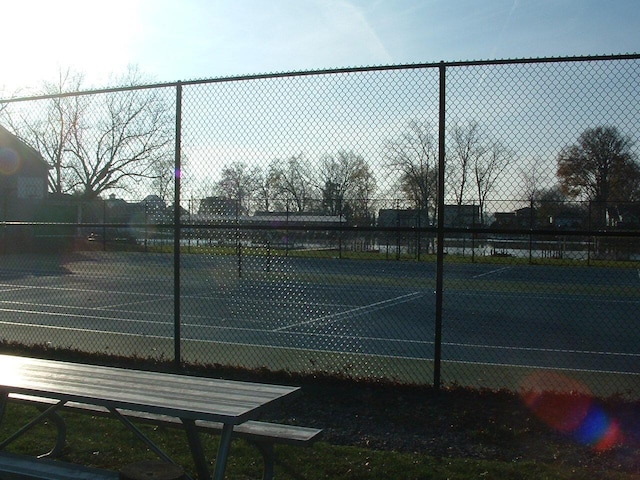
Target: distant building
521 218
117 210
461 216
155 210
23 178
454 216
567 220
403 218
295 218
625 216
152 209
270 219
217 206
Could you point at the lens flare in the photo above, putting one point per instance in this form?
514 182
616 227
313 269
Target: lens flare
9 161
567 406
598 430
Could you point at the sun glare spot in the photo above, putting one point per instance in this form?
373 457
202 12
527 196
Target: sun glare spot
9 161
568 407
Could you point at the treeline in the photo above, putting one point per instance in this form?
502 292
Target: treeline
598 178
346 183
123 140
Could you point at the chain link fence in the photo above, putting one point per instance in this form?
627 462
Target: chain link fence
469 223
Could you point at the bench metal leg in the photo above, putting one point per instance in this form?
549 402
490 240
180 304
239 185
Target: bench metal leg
48 413
223 452
61 437
52 414
152 446
4 397
195 445
268 459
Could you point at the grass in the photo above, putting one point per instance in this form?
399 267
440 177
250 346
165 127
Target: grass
105 443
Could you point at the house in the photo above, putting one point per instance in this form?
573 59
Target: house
625 216
23 178
461 215
152 209
521 218
218 206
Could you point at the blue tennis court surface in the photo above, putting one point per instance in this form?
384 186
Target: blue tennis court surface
582 318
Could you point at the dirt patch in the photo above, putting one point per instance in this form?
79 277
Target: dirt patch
467 423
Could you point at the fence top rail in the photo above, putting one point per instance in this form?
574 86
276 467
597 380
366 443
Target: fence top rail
330 71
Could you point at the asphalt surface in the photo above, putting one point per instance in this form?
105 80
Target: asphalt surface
581 318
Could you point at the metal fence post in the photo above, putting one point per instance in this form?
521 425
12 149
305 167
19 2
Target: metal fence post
176 230
437 353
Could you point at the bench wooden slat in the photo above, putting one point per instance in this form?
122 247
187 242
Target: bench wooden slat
252 429
207 399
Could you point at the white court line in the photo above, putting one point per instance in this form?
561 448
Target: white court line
376 306
147 294
542 350
573 297
85 290
460 362
359 338
302 334
491 272
82 308
105 332
15 289
125 304
74 315
538 367
107 308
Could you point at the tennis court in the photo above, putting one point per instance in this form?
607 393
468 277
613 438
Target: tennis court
542 316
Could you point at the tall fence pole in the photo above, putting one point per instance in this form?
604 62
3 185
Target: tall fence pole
177 230
437 353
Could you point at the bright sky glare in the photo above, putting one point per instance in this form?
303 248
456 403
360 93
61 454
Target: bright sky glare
173 40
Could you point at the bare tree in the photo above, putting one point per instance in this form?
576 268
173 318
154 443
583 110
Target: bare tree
530 175
362 198
163 176
239 182
415 155
487 170
345 181
51 134
467 146
267 187
292 183
132 132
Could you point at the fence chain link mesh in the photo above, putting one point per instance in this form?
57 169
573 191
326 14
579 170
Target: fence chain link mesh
291 222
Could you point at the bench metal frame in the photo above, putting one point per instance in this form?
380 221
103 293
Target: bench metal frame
262 435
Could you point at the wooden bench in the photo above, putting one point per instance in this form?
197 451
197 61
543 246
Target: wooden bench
263 435
188 398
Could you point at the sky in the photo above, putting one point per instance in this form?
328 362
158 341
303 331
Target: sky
171 40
